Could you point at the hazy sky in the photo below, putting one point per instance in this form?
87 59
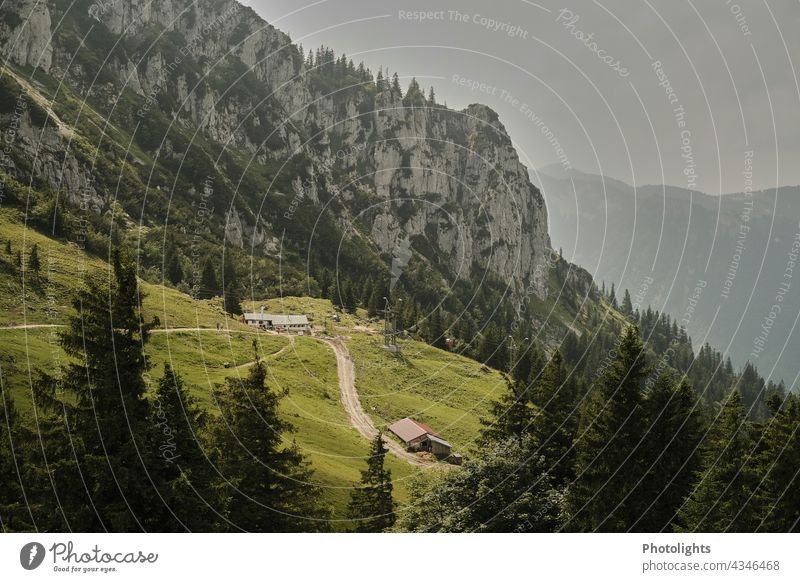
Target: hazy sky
583 76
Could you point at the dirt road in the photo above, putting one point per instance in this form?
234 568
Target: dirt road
359 419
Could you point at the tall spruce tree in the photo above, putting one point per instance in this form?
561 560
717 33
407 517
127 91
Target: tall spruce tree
671 456
12 504
103 406
34 262
371 506
435 330
627 304
174 271
231 301
723 499
270 482
608 461
555 420
190 488
779 492
209 287
511 417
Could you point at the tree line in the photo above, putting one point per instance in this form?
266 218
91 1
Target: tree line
631 454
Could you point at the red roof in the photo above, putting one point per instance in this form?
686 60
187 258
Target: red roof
408 429
425 427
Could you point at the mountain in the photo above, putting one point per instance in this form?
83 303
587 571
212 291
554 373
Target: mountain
296 147
663 242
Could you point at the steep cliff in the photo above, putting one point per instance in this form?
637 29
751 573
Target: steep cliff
209 90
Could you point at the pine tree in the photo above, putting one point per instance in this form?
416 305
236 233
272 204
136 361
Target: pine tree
670 452
530 361
231 301
8 247
371 505
627 305
208 281
190 490
12 502
104 407
270 482
492 349
723 499
431 97
511 417
780 467
607 456
34 263
350 302
174 270
373 304
556 419
612 297
752 388
435 330
396 90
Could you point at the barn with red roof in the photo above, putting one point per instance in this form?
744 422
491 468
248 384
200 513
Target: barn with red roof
418 436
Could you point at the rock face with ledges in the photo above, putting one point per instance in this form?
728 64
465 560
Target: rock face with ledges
448 181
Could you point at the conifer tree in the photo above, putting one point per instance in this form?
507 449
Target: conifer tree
607 457
232 301
104 407
12 503
722 500
371 505
627 305
270 481
435 330
612 297
189 489
780 467
34 263
174 270
556 420
670 452
350 302
396 86
373 304
511 416
208 281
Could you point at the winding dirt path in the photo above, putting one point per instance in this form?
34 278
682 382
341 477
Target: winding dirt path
359 419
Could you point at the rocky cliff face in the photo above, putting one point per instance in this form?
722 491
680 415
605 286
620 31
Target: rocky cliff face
25 30
447 183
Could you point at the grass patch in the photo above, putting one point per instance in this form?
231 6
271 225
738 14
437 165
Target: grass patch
445 391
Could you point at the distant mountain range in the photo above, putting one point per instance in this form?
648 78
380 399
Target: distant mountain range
662 243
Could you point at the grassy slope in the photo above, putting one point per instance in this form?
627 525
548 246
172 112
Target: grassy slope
448 392
304 369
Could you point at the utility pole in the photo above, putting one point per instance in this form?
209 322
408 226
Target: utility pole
389 327
387 314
